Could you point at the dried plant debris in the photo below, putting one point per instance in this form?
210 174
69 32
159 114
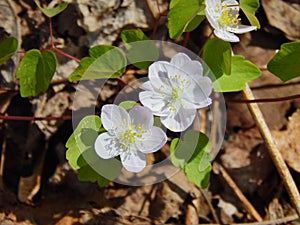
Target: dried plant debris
288 141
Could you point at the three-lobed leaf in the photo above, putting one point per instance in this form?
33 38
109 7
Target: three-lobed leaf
81 154
192 154
185 16
286 63
141 51
217 55
104 62
82 138
242 71
35 72
51 12
249 7
7 48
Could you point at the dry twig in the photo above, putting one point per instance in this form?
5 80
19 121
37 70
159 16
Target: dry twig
237 191
274 151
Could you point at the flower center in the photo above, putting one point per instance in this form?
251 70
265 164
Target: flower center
229 17
175 94
129 135
178 87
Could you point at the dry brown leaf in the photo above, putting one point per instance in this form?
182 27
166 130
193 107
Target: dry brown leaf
5 98
288 141
166 204
285 16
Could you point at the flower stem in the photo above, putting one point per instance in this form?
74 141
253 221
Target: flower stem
274 151
186 39
65 54
32 118
53 48
51 33
261 100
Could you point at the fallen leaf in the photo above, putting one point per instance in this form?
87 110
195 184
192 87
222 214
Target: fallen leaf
288 141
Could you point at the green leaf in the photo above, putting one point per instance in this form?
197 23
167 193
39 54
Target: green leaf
249 7
185 16
173 3
8 47
141 51
194 23
286 63
35 72
87 173
127 105
242 71
194 175
81 154
128 36
217 55
82 139
104 62
52 11
178 162
192 154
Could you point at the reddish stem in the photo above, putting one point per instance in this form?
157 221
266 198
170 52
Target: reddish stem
158 8
65 54
32 118
155 27
186 39
261 100
51 33
157 20
53 48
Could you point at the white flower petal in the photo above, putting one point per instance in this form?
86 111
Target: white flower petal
153 142
147 86
180 59
196 105
211 18
141 116
158 76
154 101
112 117
212 3
230 3
193 68
226 36
104 146
173 81
241 29
180 120
134 162
199 90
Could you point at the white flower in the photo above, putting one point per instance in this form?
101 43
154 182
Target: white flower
176 90
130 135
223 17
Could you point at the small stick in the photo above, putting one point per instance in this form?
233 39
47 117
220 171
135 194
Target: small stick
2 161
237 191
275 221
267 222
274 151
212 210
